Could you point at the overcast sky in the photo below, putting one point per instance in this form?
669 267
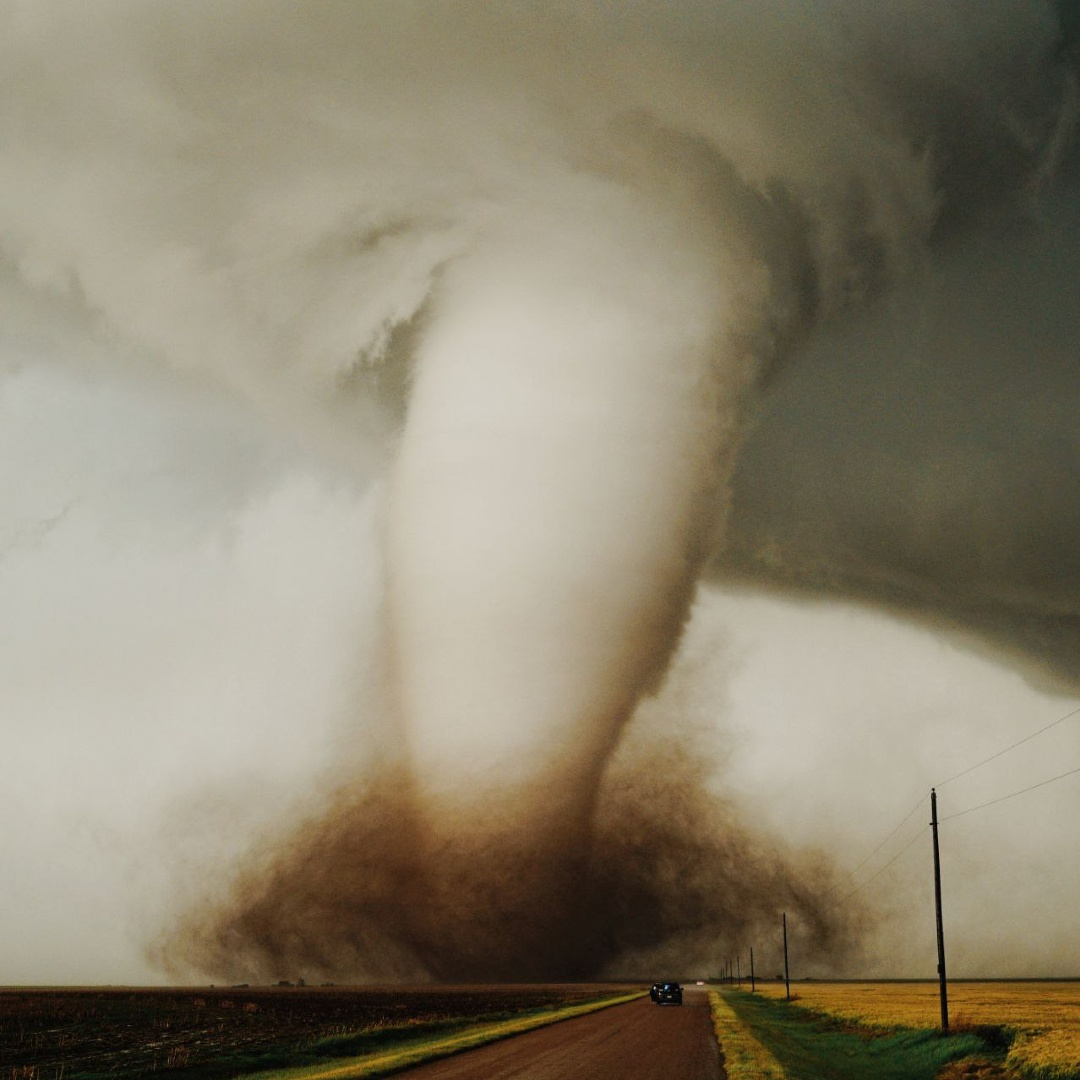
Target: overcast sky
488 394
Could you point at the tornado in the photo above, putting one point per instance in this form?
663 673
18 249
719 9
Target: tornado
571 416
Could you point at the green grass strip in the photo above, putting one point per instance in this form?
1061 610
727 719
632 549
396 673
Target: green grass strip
418 1050
811 1046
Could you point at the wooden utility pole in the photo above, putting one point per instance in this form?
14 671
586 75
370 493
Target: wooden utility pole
752 988
940 924
738 970
787 976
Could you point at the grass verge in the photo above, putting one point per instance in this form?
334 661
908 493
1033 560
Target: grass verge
812 1046
744 1056
411 1048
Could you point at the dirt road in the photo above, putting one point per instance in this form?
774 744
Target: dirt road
637 1041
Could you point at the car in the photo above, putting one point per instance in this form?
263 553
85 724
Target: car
668 993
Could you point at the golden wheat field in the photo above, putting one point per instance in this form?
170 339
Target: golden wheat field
1045 1015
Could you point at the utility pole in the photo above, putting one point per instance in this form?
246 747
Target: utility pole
937 906
787 976
738 970
752 988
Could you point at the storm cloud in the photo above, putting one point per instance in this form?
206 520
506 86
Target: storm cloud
603 308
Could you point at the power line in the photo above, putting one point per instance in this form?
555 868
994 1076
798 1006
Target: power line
947 817
1022 791
907 818
978 765
1001 753
917 836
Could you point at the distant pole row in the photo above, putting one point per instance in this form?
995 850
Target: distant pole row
732 971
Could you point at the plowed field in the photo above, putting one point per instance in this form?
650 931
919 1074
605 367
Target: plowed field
173 1034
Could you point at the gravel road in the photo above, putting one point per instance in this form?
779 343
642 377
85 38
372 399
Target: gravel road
636 1041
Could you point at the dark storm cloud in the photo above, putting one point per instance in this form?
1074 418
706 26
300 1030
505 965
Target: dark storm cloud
927 455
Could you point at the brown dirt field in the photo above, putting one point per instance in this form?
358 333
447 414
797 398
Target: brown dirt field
216 1032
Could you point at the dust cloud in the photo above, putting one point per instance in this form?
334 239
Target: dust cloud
540 269
667 876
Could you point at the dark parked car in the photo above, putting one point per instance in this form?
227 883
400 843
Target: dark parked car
669 993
